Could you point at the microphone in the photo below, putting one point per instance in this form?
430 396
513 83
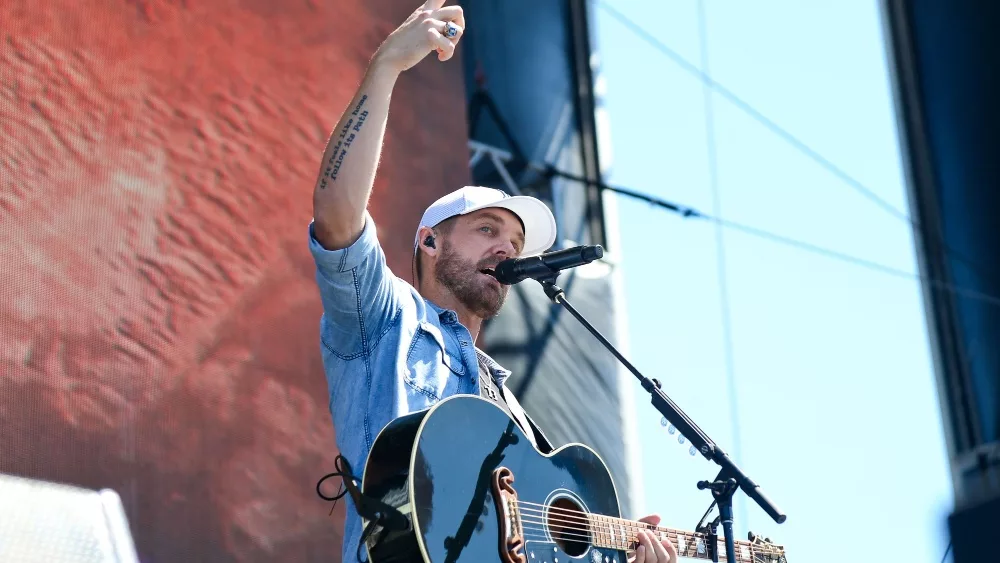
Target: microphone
516 270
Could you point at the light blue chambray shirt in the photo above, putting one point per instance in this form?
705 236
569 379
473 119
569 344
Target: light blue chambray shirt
387 351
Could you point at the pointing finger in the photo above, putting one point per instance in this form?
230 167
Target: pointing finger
433 4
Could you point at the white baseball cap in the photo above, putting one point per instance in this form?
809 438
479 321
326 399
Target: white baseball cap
539 224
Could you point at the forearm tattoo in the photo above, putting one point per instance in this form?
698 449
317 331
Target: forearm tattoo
347 135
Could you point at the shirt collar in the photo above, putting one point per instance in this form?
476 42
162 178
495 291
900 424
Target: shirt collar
444 315
497 371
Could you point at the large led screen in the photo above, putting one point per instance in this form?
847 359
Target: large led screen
159 317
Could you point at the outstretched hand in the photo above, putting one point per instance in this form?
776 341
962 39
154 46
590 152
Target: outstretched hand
652 550
424 31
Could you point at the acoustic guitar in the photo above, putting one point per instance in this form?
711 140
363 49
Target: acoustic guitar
475 490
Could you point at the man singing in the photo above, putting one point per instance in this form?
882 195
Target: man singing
390 348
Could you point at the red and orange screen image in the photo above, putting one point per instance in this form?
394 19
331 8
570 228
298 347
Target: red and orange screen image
158 313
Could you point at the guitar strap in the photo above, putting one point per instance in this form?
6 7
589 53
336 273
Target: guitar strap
505 399
524 420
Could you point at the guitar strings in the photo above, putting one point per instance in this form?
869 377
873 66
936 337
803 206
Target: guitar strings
575 518
569 533
753 558
621 522
536 533
537 523
586 517
539 535
546 539
582 518
578 517
574 537
573 526
690 549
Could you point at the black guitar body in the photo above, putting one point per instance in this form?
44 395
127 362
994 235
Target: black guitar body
440 468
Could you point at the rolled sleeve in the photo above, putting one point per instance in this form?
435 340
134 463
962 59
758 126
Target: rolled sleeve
334 262
356 289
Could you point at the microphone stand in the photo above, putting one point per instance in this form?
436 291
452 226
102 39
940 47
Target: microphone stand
730 477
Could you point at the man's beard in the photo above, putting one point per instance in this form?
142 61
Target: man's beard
462 278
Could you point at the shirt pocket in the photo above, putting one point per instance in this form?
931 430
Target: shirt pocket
429 363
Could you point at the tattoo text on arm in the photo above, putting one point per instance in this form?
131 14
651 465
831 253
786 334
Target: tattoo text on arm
347 135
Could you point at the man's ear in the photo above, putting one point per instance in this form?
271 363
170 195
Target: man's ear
427 241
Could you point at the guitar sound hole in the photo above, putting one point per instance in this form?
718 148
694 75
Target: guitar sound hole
568 525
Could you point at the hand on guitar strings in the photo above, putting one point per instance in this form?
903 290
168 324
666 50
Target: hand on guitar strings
650 549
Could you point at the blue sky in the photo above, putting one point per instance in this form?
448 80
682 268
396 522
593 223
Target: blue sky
826 395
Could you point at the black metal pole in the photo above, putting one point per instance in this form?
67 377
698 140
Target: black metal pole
673 413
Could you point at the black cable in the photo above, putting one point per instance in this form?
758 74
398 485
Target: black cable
659 202
964 292
341 472
784 134
690 212
947 549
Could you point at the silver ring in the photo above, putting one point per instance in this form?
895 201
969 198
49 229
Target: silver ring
450 30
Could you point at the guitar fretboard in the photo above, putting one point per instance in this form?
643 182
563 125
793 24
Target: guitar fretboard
618 533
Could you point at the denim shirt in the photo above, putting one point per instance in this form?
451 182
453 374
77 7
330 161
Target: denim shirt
387 351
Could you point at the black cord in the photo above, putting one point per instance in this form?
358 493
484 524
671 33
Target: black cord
345 475
946 552
689 212
343 490
964 292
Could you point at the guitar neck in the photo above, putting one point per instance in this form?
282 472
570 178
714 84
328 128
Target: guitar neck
618 533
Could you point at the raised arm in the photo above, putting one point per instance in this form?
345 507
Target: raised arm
351 157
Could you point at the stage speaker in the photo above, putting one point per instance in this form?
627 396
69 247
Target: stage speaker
54 523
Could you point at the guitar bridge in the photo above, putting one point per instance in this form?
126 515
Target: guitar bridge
511 531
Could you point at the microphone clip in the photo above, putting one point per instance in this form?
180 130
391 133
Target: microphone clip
552 291
549 278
